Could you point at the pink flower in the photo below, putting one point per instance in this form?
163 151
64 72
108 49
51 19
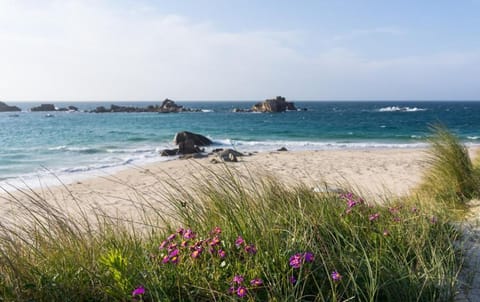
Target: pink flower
189 234
309 257
174 259
184 243
165 259
173 253
251 249
336 276
256 282
171 237
296 260
217 230
222 253
241 291
433 220
138 291
239 241
374 217
292 280
163 244
172 246
215 241
238 279
196 253
180 231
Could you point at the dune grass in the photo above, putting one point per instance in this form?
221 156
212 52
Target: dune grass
451 177
252 241
233 239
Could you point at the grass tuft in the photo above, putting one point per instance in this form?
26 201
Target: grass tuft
451 177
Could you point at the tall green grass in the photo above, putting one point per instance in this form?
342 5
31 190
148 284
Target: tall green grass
451 177
397 252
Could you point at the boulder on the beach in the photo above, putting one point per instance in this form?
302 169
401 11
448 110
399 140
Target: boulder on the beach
282 149
279 104
169 152
6 108
229 155
198 139
44 107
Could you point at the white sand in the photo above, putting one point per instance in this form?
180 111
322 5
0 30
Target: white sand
375 172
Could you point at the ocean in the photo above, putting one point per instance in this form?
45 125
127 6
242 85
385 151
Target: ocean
36 146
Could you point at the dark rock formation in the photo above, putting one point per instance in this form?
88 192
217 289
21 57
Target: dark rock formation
44 107
282 149
198 139
100 109
169 106
6 108
229 155
169 152
189 142
69 108
279 104
241 110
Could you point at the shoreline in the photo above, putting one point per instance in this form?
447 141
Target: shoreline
377 173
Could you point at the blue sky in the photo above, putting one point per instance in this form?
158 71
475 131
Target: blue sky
239 50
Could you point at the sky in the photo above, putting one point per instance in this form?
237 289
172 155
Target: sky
94 50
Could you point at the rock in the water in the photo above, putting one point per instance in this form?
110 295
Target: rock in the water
282 149
279 104
187 147
198 139
6 108
169 106
44 107
69 108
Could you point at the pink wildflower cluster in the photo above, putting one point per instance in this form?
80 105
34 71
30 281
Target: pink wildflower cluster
249 248
351 200
239 288
185 242
297 260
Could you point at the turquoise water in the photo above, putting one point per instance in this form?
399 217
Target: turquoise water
32 144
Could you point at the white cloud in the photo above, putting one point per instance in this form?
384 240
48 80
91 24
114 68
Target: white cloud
91 50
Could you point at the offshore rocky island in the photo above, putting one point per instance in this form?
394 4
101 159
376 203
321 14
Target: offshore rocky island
278 104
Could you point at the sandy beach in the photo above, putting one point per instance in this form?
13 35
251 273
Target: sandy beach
375 173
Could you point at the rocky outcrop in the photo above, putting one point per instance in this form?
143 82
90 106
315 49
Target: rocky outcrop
6 108
279 104
198 139
189 142
44 107
229 155
168 106
69 108
169 152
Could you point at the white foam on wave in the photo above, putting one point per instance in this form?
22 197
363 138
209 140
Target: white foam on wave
311 145
401 109
207 110
473 137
